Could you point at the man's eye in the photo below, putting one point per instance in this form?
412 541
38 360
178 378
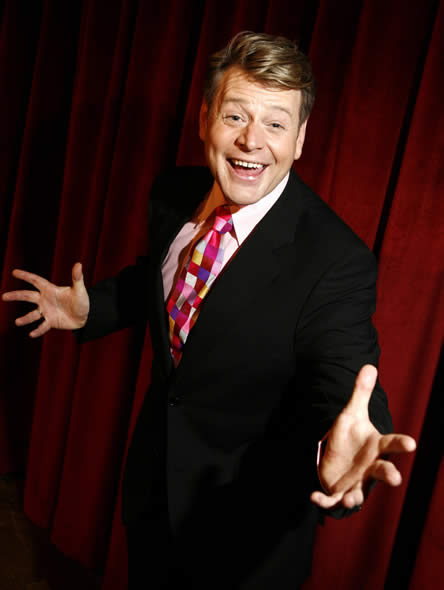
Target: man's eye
233 118
277 126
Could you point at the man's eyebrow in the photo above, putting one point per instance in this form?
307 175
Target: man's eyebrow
243 101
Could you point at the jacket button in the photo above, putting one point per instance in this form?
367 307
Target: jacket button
174 401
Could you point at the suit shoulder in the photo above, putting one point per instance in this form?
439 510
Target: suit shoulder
327 227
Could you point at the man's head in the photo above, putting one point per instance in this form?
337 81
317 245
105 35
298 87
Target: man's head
275 62
258 94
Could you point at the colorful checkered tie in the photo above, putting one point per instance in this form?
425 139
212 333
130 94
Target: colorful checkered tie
197 276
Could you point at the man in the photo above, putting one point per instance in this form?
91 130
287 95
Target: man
269 298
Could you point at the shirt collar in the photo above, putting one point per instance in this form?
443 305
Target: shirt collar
245 218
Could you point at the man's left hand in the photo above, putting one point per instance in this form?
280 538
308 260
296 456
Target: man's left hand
355 452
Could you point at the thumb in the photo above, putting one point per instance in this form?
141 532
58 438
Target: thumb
77 276
364 385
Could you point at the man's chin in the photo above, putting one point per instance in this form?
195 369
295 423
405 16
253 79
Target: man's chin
244 199
243 195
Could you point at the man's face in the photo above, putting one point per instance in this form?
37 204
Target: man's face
251 136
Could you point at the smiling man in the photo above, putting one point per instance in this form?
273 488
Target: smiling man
259 301
252 135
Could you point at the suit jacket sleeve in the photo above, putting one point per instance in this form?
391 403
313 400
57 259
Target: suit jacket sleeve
117 303
336 338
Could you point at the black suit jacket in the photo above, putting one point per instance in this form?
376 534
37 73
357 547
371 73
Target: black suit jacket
267 368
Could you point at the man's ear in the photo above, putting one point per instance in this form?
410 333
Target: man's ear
203 120
300 140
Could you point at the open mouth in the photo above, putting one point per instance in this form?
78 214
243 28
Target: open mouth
244 169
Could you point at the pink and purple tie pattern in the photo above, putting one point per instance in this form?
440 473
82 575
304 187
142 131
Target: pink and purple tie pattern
197 276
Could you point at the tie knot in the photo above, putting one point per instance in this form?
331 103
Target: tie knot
223 222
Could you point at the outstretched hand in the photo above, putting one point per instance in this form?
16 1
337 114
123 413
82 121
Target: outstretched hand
64 308
355 451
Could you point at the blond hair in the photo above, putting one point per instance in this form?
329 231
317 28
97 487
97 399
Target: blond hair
271 60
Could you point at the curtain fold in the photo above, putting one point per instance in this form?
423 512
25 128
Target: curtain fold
100 96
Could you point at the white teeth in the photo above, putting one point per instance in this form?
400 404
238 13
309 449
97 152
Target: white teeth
247 164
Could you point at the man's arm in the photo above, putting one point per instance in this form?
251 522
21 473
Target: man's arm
117 302
338 343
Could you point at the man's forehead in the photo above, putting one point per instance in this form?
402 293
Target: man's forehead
240 87
243 101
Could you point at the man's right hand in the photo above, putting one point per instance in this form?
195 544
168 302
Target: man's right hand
64 308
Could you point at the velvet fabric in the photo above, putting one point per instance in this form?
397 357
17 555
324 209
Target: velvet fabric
97 98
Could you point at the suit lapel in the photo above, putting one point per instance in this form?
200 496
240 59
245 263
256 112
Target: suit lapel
160 315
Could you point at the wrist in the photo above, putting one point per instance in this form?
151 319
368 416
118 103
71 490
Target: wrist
321 450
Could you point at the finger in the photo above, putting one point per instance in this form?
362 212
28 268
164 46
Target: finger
397 443
364 385
354 497
324 501
30 277
31 296
44 327
375 468
354 476
386 472
32 316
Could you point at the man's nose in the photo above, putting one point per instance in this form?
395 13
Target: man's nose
251 137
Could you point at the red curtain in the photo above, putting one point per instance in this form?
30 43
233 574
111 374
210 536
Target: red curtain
97 97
